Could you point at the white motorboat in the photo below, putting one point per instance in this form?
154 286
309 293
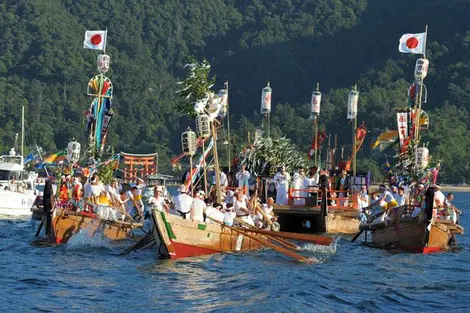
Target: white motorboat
17 192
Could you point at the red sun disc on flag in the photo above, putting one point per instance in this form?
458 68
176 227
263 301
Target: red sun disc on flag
96 39
412 43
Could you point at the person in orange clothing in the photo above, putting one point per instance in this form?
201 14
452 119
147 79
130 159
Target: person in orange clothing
63 191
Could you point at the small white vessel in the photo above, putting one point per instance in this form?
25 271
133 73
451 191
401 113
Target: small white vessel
17 192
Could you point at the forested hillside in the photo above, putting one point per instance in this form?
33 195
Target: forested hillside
292 43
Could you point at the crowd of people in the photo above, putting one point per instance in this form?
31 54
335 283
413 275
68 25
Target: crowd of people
415 200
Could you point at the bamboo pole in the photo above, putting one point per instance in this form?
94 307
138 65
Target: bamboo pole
216 163
228 130
204 166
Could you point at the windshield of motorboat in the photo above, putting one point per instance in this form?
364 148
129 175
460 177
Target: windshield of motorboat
8 175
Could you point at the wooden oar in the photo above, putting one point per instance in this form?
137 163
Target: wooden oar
266 243
319 240
280 241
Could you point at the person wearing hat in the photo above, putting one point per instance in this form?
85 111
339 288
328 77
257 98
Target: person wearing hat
182 202
198 207
241 209
394 191
281 180
157 201
229 215
229 197
343 185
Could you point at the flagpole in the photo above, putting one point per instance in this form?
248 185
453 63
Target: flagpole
354 127
105 40
420 95
425 41
315 126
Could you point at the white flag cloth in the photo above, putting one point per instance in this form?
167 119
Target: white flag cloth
95 39
412 43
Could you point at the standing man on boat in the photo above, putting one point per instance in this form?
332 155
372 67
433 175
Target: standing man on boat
343 185
48 201
182 202
243 178
299 187
198 207
282 179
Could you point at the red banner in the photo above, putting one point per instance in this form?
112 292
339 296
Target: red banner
321 138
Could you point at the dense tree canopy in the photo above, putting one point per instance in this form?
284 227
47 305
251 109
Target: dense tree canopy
292 43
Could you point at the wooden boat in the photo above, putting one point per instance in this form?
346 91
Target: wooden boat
66 223
322 218
411 234
180 238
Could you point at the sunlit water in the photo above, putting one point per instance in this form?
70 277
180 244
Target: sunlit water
90 275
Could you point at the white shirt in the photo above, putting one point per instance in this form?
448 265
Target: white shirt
439 198
282 180
96 190
387 196
183 202
229 216
157 203
197 210
311 181
401 200
214 214
223 179
238 205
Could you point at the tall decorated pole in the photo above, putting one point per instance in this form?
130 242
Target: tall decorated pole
266 107
100 89
198 100
417 94
353 99
204 131
314 114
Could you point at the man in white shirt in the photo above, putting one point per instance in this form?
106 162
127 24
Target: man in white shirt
157 201
198 207
182 202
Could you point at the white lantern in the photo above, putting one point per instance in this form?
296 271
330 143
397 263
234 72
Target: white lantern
316 100
422 157
266 99
102 63
203 126
73 151
421 69
353 99
188 142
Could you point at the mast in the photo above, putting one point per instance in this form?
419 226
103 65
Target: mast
22 134
228 131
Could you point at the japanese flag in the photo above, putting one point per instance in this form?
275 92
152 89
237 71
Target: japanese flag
95 39
412 43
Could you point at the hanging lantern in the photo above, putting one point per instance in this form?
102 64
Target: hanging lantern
421 69
203 126
422 157
353 99
102 63
73 151
188 142
316 100
266 99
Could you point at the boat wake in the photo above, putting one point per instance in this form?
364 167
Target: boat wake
82 240
331 249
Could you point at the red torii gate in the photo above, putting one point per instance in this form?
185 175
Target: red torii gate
138 165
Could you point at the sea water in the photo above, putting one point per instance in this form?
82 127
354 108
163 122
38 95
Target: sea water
90 275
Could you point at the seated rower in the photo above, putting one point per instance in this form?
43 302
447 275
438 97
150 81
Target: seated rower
242 210
229 215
